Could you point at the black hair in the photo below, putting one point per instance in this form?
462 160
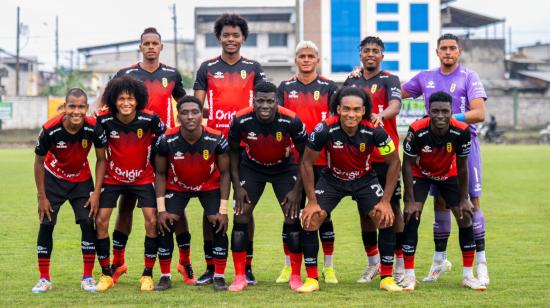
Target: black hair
265 87
232 20
372 40
150 30
188 99
125 84
448 36
441 96
76 92
336 99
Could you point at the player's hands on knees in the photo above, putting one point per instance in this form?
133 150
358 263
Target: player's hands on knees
242 204
93 203
165 221
44 208
291 204
412 210
465 207
309 212
222 221
382 214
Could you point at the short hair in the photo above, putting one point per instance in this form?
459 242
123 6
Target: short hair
76 92
125 84
307 44
372 40
441 96
448 36
188 99
336 99
150 30
265 87
232 20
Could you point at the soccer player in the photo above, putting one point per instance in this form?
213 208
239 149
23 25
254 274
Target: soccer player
163 82
267 130
192 161
62 173
308 94
349 140
469 98
227 83
385 92
130 130
436 151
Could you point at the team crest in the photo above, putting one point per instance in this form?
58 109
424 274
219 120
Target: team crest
362 147
373 88
84 143
316 95
243 74
279 136
164 82
205 154
453 87
139 133
449 147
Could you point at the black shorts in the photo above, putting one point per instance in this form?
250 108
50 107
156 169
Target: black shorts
366 191
448 189
144 193
176 201
253 180
381 170
77 193
316 175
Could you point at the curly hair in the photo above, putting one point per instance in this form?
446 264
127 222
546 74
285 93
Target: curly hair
125 84
336 99
232 20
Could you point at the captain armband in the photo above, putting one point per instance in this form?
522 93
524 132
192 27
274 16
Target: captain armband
387 149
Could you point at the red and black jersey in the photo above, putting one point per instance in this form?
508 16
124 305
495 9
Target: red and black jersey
66 153
309 101
162 85
349 156
192 167
267 144
436 156
129 147
229 88
382 88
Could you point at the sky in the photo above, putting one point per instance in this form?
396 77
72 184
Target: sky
88 23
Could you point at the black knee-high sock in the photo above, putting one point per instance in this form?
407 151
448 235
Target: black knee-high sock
326 233
166 250
310 247
467 245
386 245
88 247
150 255
102 247
44 245
219 252
410 241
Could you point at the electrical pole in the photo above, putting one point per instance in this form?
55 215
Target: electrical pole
174 19
17 64
56 42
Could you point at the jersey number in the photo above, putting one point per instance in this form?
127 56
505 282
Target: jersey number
379 190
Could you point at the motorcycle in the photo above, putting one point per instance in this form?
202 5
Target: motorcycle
544 135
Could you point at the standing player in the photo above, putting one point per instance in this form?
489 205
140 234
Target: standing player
436 151
385 92
308 94
62 173
349 140
163 82
227 83
267 130
130 131
469 98
192 161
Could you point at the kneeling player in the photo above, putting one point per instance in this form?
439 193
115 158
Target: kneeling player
130 131
196 161
267 130
436 151
62 173
349 139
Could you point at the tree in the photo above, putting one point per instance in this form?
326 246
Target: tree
66 80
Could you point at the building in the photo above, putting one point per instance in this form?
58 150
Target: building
28 75
271 41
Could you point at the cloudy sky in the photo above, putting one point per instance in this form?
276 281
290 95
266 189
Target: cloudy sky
88 23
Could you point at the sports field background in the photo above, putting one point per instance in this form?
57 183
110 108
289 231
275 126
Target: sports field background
516 203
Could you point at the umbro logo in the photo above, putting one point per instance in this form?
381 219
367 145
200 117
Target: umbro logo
178 155
252 136
338 145
430 84
114 135
293 94
61 145
168 196
427 149
218 75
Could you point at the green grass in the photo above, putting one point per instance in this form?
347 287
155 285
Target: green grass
515 203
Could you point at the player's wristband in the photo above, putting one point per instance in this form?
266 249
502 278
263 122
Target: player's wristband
161 206
223 207
460 117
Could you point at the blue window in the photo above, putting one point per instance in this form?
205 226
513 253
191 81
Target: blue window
387 8
391 46
387 26
419 17
211 40
345 33
252 40
390 65
419 56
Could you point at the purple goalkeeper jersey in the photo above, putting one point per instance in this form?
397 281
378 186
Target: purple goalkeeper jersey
463 85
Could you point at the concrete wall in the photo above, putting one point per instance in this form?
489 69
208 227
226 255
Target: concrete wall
533 111
28 112
486 57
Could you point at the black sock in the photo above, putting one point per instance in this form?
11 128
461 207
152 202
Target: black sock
207 248
310 247
102 248
386 247
150 255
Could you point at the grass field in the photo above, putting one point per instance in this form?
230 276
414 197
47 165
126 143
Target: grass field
515 202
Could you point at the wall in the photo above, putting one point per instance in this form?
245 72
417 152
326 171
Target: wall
533 111
486 57
28 112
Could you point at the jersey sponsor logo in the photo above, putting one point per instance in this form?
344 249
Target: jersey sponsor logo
334 129
453 87
427 149
130 71
293 94
114 134
164 82
322 82
248 62
219 75
422 133
362 147
61 145
167 69
88 129
131 175
141 118
252 136
139 133
84 143
283 120
225 116
449 147
55 131
373 88
178 155
243 74
430 85
365 131
170 140
453 131
395 91
316 95
338 145
213 63
318 128
279 136
205 154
